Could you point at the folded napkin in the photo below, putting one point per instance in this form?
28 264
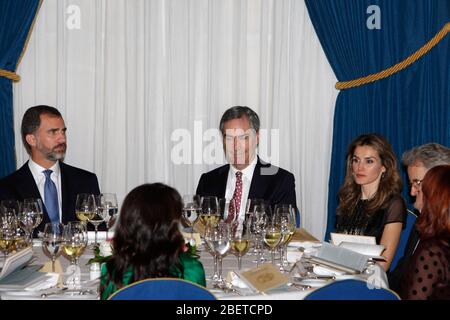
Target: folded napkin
327 271
49 281
234 279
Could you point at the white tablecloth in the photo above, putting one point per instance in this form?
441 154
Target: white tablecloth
377 277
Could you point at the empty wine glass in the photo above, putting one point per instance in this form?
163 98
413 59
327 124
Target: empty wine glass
52 240
99 217
110 209
191 210
219 238
30 215
258 222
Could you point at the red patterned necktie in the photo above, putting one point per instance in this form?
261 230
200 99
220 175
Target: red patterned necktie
233 209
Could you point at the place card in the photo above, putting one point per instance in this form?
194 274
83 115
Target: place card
264 278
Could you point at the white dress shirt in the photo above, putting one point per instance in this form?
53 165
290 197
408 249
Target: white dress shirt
247 175
39 178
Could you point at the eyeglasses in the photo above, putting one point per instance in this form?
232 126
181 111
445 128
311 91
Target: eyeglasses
416 183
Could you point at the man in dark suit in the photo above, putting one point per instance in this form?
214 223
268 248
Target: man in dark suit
44 175
246 176
417 161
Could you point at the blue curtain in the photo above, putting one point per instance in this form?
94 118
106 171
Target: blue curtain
409 108
16 18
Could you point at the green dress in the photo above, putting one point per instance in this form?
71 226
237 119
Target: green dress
193 271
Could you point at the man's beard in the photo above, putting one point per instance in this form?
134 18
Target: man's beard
54 155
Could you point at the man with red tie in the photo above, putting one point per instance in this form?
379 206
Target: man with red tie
246 176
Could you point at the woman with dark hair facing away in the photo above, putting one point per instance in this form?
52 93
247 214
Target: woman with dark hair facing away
147 241
370 203
427 276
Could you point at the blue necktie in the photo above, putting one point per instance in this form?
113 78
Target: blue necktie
51 197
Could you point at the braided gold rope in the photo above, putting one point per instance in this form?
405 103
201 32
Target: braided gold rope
399 66
10 75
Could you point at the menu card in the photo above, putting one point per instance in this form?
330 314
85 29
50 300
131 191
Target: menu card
263 278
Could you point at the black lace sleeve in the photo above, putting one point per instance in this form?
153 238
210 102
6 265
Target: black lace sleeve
396 211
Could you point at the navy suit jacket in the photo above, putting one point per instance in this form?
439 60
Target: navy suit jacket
271 183
21 185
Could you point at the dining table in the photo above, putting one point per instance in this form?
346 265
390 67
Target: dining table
296 288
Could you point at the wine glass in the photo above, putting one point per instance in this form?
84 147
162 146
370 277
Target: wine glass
99 217
209 210
239 241
8 231
85 206
110 209
257 225
272 235
219 238
285 215
30 215
75 238
52 240
191 209
210 230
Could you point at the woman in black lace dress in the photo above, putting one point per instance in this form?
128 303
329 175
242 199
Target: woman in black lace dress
427 275
370 203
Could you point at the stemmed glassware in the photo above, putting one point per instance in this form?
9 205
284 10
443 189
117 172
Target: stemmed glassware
239 241
75 238
209 210
30 216
85 206
8 229
272 235
285 215
191 210
217 237
110 208
86 210
52 240
257 224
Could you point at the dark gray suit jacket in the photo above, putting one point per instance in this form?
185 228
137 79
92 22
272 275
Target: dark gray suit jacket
21 185
271 183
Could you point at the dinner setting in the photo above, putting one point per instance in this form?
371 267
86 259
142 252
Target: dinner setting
253 153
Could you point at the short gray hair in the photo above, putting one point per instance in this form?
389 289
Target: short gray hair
237 112
429 155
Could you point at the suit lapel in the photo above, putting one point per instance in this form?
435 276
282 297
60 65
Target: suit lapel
65 192
222 181
257 186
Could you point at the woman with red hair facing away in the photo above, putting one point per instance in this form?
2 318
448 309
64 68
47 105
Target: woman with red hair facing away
428 274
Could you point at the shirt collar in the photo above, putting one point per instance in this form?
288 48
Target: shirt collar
248 171
37 169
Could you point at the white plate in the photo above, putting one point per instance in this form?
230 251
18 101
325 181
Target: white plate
347 276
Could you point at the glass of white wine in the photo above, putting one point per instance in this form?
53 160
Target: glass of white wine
239 241
85 207
285 215
272 235
52 240
209 210
75 238
8 228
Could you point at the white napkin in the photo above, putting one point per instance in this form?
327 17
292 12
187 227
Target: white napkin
293 255
234 279
326 271
50 280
